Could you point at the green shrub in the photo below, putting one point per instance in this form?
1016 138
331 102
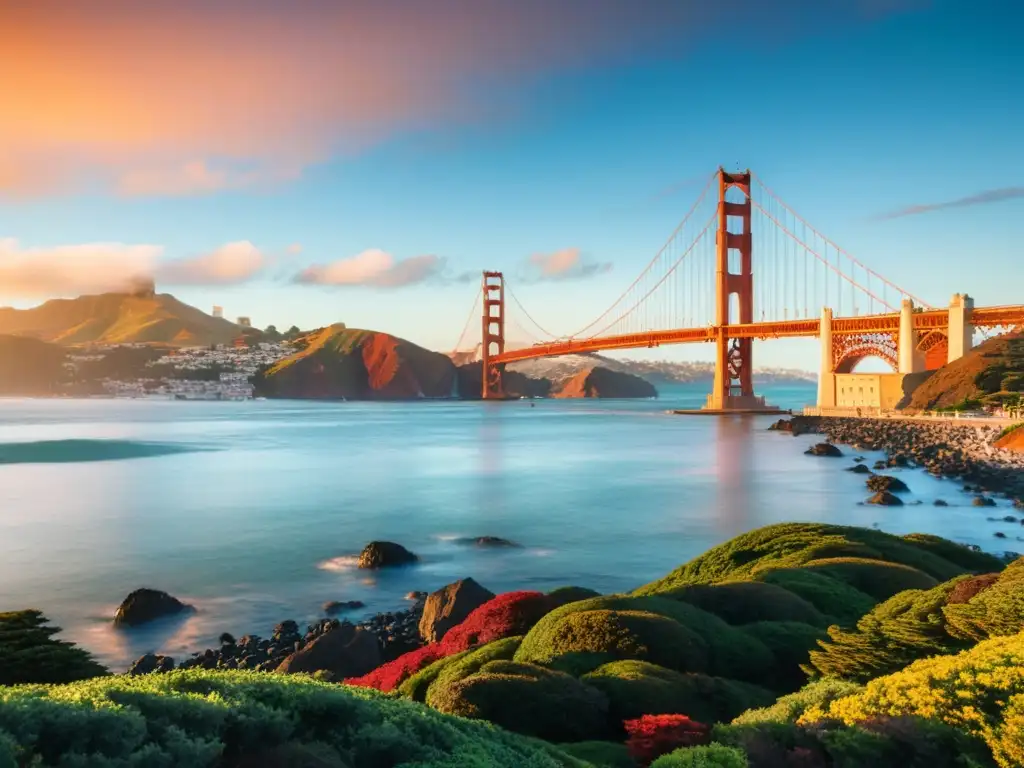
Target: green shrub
970 560
600 754
711 756
730 651
636 688
788 709
528 699
995 611
416 687
877 578
565 595
836 599
979 691
792 545
210 719
790 643
471 663
744 602
29 654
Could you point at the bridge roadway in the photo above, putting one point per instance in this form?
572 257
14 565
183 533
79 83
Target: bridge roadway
924 320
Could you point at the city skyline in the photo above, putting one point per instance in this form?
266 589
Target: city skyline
353 163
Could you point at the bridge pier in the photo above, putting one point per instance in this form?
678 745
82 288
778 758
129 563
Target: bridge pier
826 371
960 333
909 357
492 374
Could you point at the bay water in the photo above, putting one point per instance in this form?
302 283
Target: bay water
255 511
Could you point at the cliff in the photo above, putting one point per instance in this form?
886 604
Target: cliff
984 376
338 362
30 367
118 318
516 384
602 382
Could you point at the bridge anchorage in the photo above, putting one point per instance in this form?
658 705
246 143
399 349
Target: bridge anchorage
701 287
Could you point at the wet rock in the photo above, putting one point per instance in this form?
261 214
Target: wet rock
858 459
151 662
999 535
144 605
886 499
345 651
886 483
898 460
859 469
823 449
1009 519
449 606
880 465
983 501
941 503
227 638
1018 503
385 554
334 607
782 425
488 542
415 596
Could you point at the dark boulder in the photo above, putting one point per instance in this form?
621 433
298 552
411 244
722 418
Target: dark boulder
999 535
488 542
151 662
385 554
983 501
823 449
449 606
782 425
344 651
880 465
859 469
335 606
898 460
886 483
144 605
886 499
941 503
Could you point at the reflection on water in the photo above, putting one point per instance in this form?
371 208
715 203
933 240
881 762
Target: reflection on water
264 523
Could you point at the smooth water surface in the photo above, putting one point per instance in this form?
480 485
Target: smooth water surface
254 511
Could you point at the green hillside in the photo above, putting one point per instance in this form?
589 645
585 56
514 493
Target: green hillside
118 318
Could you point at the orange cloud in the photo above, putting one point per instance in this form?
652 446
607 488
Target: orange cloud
192 97
230 264
373 267
72 270
566 264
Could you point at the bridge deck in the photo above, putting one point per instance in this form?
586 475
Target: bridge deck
927 320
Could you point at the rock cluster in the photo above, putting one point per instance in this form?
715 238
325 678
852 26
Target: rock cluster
943 448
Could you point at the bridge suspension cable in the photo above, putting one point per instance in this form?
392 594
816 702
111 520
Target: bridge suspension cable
538 326
469 320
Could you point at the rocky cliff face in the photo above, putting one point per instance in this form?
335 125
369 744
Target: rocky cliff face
516 384
988 372
341 362
602 382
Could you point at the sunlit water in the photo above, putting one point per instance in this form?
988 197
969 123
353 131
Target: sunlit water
254 511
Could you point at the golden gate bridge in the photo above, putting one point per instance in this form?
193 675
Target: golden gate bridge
743 265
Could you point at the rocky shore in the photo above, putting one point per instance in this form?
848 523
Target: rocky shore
944 449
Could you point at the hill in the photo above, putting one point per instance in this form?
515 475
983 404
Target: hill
118 318
601 382
30 367
989 373
339 362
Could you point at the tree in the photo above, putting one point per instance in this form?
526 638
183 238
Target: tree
29 654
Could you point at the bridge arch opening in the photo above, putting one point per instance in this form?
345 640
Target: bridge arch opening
935 346
866 362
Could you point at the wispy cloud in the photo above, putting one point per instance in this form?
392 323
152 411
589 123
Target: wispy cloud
231 264
72 270
186 97
566 264
375 268
982 198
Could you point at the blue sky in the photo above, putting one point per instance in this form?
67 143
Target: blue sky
846 115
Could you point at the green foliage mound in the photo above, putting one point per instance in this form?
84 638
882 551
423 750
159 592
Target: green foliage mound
970 560
29 654
744 602
879 579
918 623
565 595
637 688
729 651
600 754
788 709
527 699
790 643
979 692
239 719
469 664
794 545
839 601
416 687
711 756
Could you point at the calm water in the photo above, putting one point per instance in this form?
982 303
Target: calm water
254 511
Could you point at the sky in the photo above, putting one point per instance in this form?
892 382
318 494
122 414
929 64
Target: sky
312 162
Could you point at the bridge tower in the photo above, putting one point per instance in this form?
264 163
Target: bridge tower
493 335
733 386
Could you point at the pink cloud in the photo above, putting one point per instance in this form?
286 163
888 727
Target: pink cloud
374 268
230 264
192 97
566 264
72 270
